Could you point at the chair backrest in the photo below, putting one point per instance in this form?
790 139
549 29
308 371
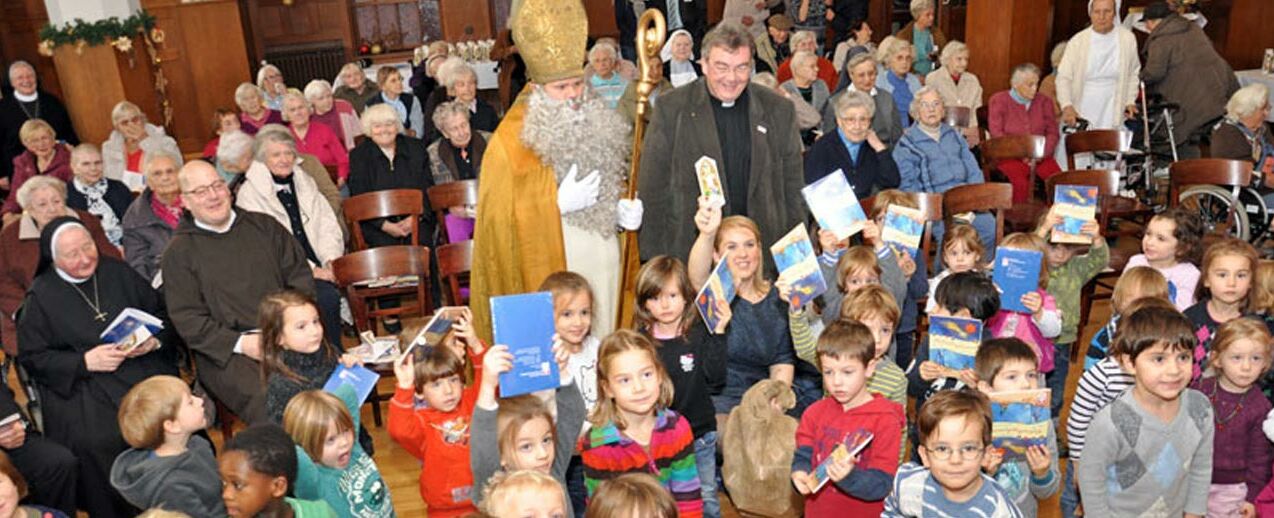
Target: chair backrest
1013 147
1214 171
382 204
1094 141
333 172
960 116
381 262
451 194
1105 180
996 197
454 261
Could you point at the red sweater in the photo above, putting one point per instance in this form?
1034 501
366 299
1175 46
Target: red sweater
826 72
824 425
1006 116
441 441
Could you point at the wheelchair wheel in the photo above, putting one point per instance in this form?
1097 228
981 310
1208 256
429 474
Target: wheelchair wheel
1258 215
1213 203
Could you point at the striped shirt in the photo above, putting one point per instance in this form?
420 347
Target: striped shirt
891 382
1098 386
670 456
917 494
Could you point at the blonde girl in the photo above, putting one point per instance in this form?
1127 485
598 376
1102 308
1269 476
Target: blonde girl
294 356
634 495
1135 283
1223 293
573 322
1263 290
693 357
520 433
1044 323
962 251
1239 357
633 428
331 465
524 493
1171 245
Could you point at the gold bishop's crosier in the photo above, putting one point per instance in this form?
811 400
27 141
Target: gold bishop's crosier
651 31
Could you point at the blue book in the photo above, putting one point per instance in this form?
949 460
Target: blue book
1020 419
1016 273
525 323
832 201
361 378
903 229
1077 204
130 328
794 256
720 286
954 341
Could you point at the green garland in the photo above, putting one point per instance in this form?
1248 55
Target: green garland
98 32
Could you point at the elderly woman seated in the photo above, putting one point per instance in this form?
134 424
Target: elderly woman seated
853 149
238 155
234 155
678 55
224 121
862 72
1244 135
253 112
355 87
406 106
276 185
43 199
895 76
93 192
460 83
1023 111
925 38
958 87
806 41
804 87
604 78
933 157
390 160
152 217
457 155
76 295
43 156
315 139
270 79
337 114
806 117
122 151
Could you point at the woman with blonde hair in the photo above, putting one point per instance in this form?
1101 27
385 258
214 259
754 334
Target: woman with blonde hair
133 136
43 156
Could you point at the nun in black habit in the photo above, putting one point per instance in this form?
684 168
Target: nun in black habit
75 295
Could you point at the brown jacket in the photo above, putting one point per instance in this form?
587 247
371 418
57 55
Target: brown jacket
1182 65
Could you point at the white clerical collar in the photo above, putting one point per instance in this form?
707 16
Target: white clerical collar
215 230
26 98
871 92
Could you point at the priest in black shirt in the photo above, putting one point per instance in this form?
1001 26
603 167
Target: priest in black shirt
22 101
750 132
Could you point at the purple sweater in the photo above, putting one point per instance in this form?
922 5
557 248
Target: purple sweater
1241 453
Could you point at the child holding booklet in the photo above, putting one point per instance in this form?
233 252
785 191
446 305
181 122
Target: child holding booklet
1044 321
962 251
847 357
965 295
1009 365
917 273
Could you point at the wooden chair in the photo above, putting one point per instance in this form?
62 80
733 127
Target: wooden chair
333 172
452 194
960 116
1017 147
455 260
382 204
353 270
996 197
1117 143
1107 184
1209 171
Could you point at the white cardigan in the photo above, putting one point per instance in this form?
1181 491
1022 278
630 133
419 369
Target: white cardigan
1074 66
321 228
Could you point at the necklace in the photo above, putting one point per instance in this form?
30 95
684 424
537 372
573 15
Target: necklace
96 304
1238 407
30 115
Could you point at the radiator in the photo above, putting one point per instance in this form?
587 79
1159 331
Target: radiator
300 65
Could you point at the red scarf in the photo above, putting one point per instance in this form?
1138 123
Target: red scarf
169 214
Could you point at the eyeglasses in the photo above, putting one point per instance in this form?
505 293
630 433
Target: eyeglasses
136 119
930 105
218 186
967 451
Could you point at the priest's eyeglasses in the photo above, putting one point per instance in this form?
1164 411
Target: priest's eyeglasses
218 186
967 451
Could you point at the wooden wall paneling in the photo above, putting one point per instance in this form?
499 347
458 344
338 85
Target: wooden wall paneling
500 11
716 10
464 20
601 18
20 23
1249 33
880 17
91 87
1003 35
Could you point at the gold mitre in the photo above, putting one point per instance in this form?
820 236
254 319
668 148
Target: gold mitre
551 36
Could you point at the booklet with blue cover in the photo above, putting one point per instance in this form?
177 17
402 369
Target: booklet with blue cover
903 228
1076 204
832 201
1020 419
1016 273
798 267
130 328
720 286
525 323
954 341
852 445
361 378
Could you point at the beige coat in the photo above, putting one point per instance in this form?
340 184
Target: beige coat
1074 67
967 94
321 226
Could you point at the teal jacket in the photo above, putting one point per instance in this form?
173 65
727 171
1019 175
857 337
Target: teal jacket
358 491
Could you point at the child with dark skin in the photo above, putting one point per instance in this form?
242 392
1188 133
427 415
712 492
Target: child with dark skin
257 469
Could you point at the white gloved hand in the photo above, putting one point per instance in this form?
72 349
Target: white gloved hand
574 194
628 214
